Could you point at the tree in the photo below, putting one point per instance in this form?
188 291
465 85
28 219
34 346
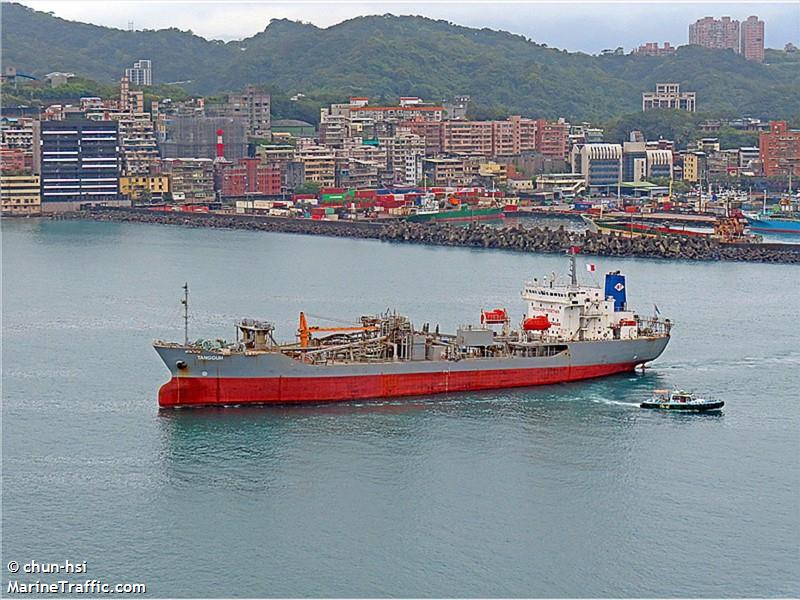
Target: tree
308 187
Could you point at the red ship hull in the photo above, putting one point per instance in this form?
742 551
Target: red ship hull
210 391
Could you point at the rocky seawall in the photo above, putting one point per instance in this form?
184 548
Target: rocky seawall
514 237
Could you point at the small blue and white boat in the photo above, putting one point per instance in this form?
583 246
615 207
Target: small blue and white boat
680 400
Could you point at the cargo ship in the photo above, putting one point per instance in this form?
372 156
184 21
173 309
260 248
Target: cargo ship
727 230
463 213
784 217
774 223
568 332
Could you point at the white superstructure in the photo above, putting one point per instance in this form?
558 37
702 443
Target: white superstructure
579 312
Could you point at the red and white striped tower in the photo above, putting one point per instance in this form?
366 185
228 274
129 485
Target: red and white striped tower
220 144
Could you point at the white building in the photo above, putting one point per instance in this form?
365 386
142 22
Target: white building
141 73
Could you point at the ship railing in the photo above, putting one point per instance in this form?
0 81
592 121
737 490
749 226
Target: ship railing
654 327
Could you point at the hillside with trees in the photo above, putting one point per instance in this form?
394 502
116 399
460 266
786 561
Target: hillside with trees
388 56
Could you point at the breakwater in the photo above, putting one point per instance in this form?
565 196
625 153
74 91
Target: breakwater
476 235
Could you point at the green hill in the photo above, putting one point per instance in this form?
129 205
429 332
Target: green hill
388 56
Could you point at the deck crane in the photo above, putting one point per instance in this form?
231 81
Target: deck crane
304 331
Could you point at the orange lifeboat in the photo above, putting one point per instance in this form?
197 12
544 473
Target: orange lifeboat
539 323
493 317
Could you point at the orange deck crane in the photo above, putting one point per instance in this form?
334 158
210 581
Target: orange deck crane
304 331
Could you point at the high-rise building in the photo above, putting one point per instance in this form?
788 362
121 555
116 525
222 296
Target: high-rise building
252 105
79 164
141 73
137 140
669 96
780 150
752 40
720 34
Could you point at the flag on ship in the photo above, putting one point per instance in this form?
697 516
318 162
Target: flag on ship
590 268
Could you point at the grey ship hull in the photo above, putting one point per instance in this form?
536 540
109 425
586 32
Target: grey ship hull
201 378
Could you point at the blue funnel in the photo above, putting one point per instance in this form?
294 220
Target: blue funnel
615 288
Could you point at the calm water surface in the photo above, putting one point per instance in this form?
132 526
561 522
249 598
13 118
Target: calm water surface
566 490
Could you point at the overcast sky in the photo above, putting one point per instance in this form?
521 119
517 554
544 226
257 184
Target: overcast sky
585 26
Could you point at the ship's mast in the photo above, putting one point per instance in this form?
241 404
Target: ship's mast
573 274
185 303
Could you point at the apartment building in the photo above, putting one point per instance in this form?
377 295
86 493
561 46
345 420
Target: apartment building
395 114
19 135
524 134
20 195
253 106
751 43
319 164
12 160
447 172
141 73
504 139
355 173
552 138
141 188
404 153
779 149
471 138
430 131
251 177
191 179
694 167
333 128
720 34
137 142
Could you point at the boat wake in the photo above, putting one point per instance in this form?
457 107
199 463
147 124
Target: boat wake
747 362
615 402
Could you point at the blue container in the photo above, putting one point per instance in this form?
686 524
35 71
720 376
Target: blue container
615 288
